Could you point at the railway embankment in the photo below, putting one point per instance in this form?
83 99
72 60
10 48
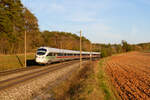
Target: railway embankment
37 87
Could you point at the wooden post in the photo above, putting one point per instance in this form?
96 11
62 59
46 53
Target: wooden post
80 49
25 58
61 47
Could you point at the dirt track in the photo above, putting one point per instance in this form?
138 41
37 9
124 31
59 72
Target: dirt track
130 75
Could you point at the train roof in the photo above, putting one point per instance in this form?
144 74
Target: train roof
56 50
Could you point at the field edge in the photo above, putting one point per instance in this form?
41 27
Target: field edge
104 82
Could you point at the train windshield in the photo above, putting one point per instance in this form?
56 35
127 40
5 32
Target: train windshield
41 51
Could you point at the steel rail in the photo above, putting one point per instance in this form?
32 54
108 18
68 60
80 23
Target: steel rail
22 78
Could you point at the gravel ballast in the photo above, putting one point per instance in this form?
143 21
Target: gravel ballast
34 88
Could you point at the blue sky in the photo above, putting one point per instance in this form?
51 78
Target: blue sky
102 21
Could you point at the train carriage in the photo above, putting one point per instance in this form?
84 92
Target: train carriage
46 55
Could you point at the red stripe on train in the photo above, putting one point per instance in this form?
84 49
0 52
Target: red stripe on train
70 56
67 56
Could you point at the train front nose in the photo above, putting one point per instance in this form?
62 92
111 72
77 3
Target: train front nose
40 59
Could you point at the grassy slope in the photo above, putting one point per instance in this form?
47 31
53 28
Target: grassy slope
97 86
9 62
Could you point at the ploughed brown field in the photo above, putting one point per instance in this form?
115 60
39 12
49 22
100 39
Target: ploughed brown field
130 75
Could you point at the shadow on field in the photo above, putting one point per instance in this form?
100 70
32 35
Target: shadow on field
19 60
31 62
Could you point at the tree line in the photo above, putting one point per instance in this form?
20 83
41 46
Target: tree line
15 20
110 49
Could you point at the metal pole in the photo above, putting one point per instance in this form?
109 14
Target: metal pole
25 49
80 49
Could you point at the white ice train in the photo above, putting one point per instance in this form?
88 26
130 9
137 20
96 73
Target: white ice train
47 55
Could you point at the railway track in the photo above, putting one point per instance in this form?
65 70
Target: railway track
4 84
4 73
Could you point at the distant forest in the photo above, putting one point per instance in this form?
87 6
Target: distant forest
15 19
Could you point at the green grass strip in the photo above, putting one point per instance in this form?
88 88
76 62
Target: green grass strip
103 82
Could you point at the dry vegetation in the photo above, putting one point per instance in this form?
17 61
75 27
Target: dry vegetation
130 75
88 84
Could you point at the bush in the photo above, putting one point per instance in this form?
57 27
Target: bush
105 52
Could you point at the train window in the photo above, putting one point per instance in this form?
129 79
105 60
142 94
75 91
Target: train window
50 54
54 54
60 54
70 54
